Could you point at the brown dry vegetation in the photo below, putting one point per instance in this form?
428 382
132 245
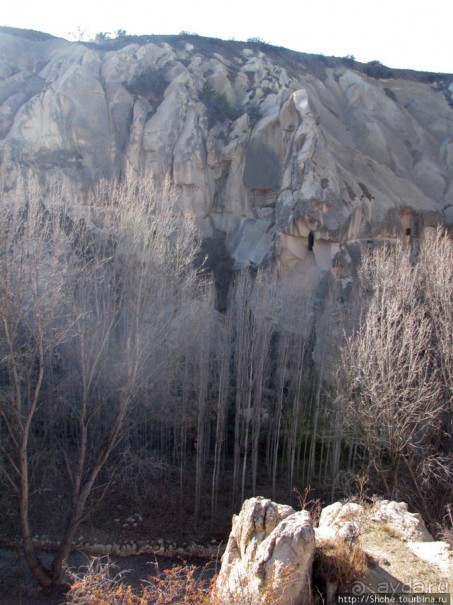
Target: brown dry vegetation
340 562
336 562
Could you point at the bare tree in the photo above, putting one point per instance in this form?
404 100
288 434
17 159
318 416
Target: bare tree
252 307
224 345
435 263
239 308
263 307
35 321
203 370
433 472
390 382
102 300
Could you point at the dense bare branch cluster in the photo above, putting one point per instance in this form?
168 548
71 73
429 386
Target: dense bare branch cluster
394 382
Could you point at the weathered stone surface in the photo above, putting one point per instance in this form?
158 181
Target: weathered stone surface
409 526
340 520
344 520
269 553
436 553
286 148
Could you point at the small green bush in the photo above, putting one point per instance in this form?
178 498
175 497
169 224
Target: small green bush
391 95
375 69
150 84
218 107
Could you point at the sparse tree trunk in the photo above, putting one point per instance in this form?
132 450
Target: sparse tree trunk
276 429
224 358
314 434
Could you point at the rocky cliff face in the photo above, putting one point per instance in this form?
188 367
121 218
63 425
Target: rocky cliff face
273 150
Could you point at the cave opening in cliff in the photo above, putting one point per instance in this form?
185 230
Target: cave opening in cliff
311 241
408 231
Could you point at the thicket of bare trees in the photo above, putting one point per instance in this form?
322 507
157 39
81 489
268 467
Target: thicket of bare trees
117 369
394 383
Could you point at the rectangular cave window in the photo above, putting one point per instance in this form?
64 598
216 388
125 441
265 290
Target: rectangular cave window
311 240
408 231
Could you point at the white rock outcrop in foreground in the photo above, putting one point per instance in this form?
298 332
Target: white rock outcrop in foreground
346 519
340 520
268 557
408 526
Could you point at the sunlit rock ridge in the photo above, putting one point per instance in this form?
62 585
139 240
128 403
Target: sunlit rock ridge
280 153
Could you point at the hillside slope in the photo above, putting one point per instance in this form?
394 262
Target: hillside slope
271 149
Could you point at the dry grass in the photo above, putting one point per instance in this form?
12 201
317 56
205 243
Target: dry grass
445 530
446 534
338 561
388 529
96 584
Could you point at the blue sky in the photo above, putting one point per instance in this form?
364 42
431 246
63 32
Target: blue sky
399 33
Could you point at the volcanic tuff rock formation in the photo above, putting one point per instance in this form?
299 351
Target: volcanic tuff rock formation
408 526
269 556
272 549
270 149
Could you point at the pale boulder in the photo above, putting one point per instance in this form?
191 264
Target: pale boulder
269 556
408 526
340 520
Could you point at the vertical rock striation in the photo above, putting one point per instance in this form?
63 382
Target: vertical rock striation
269 556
